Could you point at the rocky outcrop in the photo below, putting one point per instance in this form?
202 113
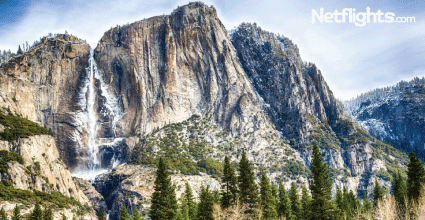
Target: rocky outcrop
42 170
394 114
42 85
133 185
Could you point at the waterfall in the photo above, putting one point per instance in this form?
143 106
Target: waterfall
95 101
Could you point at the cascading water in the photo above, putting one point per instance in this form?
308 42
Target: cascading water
94 96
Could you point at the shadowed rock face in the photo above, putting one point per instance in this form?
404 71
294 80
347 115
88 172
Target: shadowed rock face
394 114
43 85
292 90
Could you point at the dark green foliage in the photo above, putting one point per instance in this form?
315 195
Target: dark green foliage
267 199
320 186
101 215
37 213
351 204
18 127
247 187
366 203
284 205
63 217
305 204
47 214
124 213
3 214
378 194
16 213
399 191
339 198
206 205
415 178
295 201
228 185
188 199
184 211
7 156
57 199
164 203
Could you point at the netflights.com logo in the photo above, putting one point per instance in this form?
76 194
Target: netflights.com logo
359 19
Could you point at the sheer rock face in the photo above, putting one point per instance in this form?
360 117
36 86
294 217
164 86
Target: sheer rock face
43 170
292 90
168 68
42 85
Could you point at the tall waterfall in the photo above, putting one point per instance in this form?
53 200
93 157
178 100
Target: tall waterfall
97 107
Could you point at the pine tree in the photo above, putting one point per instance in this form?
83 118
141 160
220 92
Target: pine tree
164 202
16 213
188 197
20 50
247 187
305 204
101 215
284 205
124 213
399 191
206 205
378 194
37 213
267 200
63 217
339 198
48 215
229 185
136 214
184 210
415 178
295 201
366 203
3 215
320 186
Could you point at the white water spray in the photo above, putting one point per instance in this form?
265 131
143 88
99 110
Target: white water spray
86 120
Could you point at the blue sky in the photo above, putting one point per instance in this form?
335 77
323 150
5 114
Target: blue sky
352 59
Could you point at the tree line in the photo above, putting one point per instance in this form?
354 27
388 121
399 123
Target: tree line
241 198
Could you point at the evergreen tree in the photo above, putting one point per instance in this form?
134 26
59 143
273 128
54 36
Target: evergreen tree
399 191
247 187
295 201
184 210
320 186
305 204
206 205
63 217
48 215
229 185
275 195
284 206
188 198
353 202
3 215
20 50
136 214
339 199
37 213
366 203
267 200
378 194
124 213
415 178
101 215
164 202
16 213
